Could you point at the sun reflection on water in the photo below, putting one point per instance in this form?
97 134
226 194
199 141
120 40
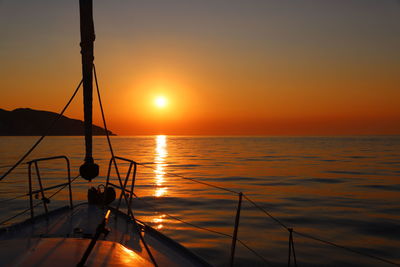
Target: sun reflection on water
159 220
160 155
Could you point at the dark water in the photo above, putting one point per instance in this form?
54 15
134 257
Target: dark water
341 189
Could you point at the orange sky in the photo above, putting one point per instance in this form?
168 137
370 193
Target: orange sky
228 68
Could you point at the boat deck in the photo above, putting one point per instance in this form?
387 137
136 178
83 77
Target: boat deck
62 237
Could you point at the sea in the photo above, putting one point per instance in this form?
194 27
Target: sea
340 195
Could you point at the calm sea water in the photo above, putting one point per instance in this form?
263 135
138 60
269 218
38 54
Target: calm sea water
341 189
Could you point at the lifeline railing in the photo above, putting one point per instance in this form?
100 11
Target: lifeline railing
28 152
130 192
122 187
291 251
44 200
128 195
42 190
291 248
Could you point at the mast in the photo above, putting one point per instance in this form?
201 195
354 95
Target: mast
89 169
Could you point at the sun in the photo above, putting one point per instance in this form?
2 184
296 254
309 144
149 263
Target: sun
160 101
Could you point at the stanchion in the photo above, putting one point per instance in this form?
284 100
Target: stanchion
235 230
291 248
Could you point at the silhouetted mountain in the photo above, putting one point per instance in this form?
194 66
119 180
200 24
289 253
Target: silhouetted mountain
26 121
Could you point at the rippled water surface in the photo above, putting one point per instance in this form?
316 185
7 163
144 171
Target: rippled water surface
341 189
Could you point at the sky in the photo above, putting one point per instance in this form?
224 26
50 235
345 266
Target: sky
249 67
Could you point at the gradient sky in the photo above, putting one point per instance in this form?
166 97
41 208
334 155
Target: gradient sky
249 67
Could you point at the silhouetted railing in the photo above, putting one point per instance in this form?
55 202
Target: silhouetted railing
290 230
45 200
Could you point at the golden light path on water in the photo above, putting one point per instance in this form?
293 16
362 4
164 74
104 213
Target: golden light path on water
160 165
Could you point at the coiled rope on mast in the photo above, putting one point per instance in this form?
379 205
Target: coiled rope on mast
88 169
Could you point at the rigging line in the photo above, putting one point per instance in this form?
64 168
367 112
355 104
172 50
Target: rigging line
254 252
266 212
102 113
318 239
221 188
346 248
6 166
37 204
20 196
112 151
44 135
106 129
180 220
115 164
192 179
109 140
107 135
204 229
19 214
61 188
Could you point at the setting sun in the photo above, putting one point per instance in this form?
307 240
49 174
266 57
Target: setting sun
161 102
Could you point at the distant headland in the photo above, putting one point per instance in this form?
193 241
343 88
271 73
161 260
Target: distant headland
26 121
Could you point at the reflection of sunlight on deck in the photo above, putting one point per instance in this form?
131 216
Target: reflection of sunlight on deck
160 155
130 257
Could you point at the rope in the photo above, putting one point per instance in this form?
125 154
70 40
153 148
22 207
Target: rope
346 248
6 200
318 239
191 179
102 114
182 221
115 165
19 214
44 135
261 209
224 189
266 212
37 204
203 228
6 166
252 250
